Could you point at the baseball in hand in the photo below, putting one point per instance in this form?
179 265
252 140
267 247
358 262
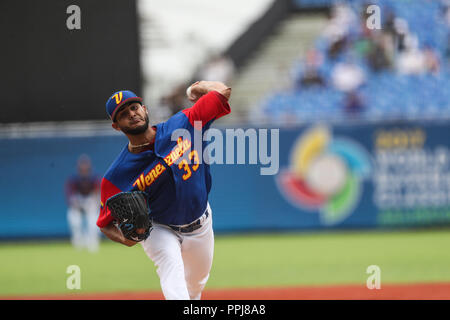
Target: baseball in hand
188 92
193 95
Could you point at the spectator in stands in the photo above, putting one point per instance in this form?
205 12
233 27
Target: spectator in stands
310 78
83 199
378 45
354 104
413 61
341 22
380 53
337 47
432 64
311 75
218 68
389 23
348 76
402 37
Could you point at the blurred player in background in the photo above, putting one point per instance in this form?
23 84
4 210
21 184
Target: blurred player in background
83 198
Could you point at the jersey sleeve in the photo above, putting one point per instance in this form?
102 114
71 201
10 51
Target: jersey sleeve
211 106
107 190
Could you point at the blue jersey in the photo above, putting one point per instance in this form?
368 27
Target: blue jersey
171 172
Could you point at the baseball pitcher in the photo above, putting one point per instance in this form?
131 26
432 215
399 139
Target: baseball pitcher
156 191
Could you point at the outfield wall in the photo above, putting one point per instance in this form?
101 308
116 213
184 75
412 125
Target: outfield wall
330 177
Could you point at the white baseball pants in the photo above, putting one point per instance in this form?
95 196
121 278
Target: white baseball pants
183 260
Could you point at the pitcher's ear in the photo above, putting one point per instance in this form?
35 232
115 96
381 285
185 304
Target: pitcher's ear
115 126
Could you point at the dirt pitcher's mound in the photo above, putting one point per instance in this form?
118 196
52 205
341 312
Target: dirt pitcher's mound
424 291
435 291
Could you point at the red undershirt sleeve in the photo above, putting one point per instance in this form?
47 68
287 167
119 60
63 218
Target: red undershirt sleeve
107 191
211 106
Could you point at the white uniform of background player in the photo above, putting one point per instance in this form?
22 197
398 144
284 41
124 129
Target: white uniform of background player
83 197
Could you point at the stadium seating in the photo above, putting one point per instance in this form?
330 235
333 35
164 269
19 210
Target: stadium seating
385 94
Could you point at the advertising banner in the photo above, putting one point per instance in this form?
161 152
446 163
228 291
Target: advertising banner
344 176
312 177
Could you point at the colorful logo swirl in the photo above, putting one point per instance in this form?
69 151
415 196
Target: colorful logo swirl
325 175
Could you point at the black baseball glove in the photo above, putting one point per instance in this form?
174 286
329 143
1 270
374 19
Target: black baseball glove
131 214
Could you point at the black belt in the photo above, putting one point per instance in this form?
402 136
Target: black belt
192 226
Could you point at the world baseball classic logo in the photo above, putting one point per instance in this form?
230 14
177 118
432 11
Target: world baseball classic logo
325 174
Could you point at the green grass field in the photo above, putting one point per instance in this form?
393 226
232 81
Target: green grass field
240 261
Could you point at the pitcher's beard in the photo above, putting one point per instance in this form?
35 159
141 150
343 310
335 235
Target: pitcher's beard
137 130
